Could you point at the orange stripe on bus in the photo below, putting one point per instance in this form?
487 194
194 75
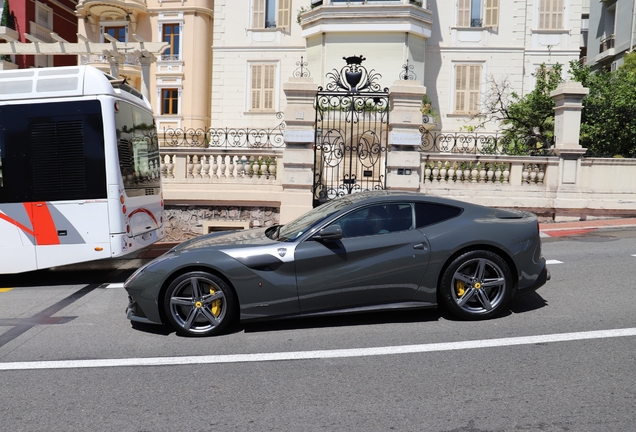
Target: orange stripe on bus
16 223
43 225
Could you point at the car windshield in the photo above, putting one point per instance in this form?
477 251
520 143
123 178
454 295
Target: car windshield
298 227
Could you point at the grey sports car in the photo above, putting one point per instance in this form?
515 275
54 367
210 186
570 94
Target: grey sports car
362 252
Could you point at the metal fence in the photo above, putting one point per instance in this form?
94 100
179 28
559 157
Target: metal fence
226 137
485 144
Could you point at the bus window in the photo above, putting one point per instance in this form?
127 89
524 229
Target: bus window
52 151
138 150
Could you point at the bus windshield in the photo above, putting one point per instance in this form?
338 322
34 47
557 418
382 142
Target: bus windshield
138 150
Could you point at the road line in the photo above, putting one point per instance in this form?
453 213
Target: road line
5 290
324 354
553 262
115 285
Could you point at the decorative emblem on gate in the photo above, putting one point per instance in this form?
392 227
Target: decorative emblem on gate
353 77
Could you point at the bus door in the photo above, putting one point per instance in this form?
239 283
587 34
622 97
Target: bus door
70 232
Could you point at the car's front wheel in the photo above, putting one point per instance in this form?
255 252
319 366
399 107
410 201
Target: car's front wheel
199 304
476 285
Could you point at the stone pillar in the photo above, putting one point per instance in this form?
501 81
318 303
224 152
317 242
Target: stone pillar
145 74
404 167
298 156
568 98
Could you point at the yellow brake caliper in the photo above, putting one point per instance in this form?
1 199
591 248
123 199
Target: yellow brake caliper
459 288
215 307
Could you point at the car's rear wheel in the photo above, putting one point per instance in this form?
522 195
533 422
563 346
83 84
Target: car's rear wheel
476 285
199 304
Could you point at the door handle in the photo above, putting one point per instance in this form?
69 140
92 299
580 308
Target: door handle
419 246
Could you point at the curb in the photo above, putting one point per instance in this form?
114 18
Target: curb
563 229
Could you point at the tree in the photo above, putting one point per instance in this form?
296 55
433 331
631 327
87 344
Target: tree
8 19
528 121
608 122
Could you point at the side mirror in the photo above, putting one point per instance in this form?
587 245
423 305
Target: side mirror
332 232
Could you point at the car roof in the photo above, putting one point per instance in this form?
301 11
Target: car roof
396 195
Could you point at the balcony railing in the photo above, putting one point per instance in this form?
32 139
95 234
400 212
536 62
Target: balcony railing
607 43
130 59
40 32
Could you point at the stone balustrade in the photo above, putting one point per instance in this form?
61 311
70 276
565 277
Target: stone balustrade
205 166
447 170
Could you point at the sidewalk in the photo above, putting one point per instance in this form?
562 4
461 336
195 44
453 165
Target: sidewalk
562 229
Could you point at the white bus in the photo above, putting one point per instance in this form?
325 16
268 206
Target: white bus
79 168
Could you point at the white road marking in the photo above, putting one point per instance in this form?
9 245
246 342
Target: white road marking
634 255
324 354
553 262
115 285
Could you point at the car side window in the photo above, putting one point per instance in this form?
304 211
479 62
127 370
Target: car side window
377 220
431 213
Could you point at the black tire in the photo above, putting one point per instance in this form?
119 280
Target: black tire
199 304
476 285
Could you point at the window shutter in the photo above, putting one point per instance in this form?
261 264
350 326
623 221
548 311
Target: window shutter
262 87
460 88
258 20
268 87
463 13
256 86
492 13
467 88
474 88
284 13
551 14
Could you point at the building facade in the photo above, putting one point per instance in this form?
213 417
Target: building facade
612 32
39 19
454 48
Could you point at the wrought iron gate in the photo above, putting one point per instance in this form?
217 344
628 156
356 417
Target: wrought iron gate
352 114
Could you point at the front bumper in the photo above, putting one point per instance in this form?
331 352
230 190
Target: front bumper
135 313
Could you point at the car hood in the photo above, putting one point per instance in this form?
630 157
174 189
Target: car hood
225 240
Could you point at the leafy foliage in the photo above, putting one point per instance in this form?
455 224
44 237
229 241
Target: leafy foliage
8 19
528 120
608 122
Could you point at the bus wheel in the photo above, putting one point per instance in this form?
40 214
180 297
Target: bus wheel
199 304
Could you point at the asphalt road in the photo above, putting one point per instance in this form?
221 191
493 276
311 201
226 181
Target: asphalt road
544 366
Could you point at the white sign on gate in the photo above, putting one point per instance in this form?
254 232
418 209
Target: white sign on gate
405 138
299 136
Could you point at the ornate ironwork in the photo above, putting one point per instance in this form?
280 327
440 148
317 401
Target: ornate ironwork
353 78
226 137
484 144
351 126
407 72
301 69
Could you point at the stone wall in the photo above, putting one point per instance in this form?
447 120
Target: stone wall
185 222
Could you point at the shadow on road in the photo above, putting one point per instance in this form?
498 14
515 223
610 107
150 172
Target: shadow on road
528 303
358 319
523 304
68 275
